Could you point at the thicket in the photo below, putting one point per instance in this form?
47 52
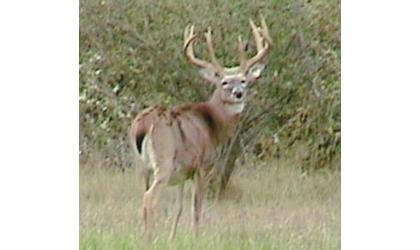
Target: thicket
130 57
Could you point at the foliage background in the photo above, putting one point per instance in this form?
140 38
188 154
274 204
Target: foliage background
287 146
131 57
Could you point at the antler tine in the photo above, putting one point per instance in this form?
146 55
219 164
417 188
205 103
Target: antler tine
264 30
209 42
189 39
187 36
262 41
256 32
241 53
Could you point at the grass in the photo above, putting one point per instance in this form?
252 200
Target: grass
268 206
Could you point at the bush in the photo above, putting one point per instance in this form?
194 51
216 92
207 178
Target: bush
131 57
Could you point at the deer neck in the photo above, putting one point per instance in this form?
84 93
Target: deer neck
226 115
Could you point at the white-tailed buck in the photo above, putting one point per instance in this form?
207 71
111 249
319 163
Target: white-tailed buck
177 144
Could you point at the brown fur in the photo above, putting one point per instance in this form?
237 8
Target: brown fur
185 140
181 143
142 123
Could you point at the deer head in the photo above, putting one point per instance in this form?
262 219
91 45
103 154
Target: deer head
233 82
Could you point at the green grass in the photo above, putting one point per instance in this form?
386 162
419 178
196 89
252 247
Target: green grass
214 241
268 206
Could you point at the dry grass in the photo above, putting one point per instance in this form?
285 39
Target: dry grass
269 206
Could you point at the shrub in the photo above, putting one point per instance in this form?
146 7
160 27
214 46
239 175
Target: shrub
131 57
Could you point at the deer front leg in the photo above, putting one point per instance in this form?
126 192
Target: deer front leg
178 211
197 199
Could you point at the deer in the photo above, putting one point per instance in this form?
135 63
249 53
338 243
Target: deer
173 145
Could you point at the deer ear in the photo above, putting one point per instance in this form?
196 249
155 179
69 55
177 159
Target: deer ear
255 72
210 75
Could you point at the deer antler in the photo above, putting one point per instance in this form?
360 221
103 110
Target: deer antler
189 39
262 41
211 51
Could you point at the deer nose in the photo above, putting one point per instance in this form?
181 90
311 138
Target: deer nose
238 94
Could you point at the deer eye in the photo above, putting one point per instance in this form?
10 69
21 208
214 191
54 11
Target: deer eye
243 81
224 83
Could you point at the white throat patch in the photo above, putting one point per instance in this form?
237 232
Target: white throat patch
235 108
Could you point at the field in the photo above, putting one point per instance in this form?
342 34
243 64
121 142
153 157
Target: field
267 206
287 195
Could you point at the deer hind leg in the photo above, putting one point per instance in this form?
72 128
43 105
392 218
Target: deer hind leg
178 211
150 201
144 175
197 200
